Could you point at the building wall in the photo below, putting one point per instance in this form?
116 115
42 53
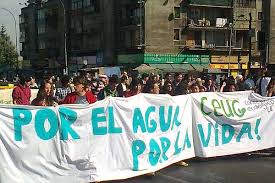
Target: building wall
272 33
109 32
28 28
159 27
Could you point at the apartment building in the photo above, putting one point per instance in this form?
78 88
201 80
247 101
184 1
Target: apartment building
89 33
178 34
269 28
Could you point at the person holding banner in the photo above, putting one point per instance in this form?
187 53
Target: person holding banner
45 96
21 94
151 87
271 88
135 88
110 90
80 95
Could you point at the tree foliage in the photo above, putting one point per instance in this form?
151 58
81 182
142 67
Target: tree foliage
8 54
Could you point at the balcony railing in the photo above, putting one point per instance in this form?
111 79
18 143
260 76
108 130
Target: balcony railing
130 21
218 23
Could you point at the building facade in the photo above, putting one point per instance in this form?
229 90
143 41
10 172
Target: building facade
183 34
89 33
221 33
43 29
269 27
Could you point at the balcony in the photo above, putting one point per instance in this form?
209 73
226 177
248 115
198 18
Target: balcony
22 38
134 20
218 23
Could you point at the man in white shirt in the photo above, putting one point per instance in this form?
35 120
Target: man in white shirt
262 83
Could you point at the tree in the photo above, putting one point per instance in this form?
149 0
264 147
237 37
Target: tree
8 54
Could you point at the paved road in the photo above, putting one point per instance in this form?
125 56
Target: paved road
258 168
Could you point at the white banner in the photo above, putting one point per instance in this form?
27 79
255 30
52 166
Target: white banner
119 138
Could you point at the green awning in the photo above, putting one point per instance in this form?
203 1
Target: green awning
180 67
200 67
176 59
212 2
130 59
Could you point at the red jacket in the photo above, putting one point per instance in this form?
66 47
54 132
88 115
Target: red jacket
21 95
71 98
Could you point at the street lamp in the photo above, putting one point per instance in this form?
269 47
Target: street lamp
230 47
250 43
15 26
141 4
65 38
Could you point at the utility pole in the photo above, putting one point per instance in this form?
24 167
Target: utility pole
141 44
230 47
250 43
66 71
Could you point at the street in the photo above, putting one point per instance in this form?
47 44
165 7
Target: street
255 167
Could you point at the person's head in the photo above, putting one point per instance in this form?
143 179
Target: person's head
231 86
46 90
154 78
271 84
151 87
32 80
188 78
209 82
239 78
195 88
202 88
103 78
136 85
154 88
25 81
267 73
65 80
168 87
124 79
145 76
113 82
181 89
178 77
124 73
168 76
80 84
199 81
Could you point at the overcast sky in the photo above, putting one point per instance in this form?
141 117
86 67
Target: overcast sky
6 18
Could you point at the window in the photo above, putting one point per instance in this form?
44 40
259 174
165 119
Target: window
92 5
76 25
22 36
176 34
41 14
176 12
86 3
246 3
76 4
121 36
194 15
76 43
260 15
41 29
21 19
214 39
41 45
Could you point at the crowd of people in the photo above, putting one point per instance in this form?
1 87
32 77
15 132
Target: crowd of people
85 89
